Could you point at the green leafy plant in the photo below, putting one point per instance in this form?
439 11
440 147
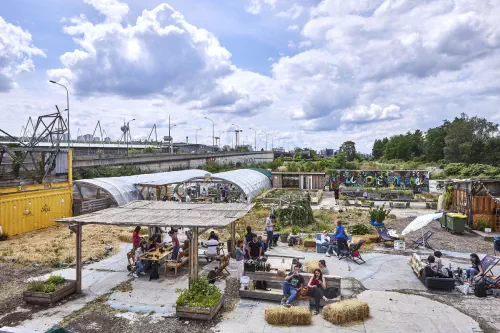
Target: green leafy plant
379 214
298 213
295 230
42 287
150 150
56 279
448 197
360 229
482 223
200 294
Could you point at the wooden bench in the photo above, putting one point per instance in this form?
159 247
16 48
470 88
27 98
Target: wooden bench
175 265
275 283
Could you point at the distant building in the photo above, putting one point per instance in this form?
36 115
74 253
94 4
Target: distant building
85 138
328 152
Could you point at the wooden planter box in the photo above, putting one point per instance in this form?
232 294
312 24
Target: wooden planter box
40 298
198 313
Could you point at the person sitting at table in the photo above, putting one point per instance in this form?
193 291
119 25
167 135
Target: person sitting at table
175 244
136 238
254 248
292 284
139 251
153 244
184 251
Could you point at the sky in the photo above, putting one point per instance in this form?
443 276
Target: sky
309 73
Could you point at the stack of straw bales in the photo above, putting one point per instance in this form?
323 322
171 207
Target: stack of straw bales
310 265
283 316
346 311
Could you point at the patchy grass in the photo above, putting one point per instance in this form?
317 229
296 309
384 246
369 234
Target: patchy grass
55 246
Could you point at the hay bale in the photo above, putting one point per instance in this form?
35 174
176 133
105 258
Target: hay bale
310 265
309 243
346 311
283 316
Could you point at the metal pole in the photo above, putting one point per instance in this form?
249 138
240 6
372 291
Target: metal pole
197 134
169 137
67 109
213 134
255 132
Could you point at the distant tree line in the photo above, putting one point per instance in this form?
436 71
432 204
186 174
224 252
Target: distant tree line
469 140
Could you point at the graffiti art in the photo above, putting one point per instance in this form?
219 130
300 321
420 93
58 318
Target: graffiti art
416 180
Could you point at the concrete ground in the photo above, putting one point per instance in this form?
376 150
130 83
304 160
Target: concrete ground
398 300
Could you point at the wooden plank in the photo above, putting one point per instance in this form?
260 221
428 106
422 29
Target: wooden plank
273 295
331 281
79 230
193 255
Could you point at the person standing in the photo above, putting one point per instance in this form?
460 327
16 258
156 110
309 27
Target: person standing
341 237
270 230
336 193
254 248
136 238
249 235
240 258
175 244
139 251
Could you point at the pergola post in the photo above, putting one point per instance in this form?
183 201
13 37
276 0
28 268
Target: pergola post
233 240
78 230
193 256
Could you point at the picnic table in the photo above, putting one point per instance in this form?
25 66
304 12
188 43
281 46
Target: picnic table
156 255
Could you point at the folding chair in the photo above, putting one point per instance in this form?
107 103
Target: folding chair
352 253
383 235
131 267
487 263
423 241
496 244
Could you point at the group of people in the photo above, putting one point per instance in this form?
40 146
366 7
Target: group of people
141 246
255 245
333 246
316 287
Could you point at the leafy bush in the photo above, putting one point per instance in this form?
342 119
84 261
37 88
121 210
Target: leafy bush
482 223
56 279
42 287
150 150
295 230
200 294
454 169
379 214
298 213
360 229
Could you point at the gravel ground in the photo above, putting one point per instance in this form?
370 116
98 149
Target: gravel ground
11 288
444 240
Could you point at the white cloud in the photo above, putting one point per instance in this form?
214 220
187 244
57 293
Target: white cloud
292 44
16 53
293 28
255 6
369 114
293 12
113 10
162 54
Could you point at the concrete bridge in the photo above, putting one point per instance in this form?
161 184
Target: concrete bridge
163 161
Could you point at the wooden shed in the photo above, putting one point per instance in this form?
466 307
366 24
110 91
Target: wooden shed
299 180
479 200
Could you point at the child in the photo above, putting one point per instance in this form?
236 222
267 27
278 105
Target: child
139 251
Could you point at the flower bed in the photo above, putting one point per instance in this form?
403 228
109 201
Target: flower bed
50 291
201 301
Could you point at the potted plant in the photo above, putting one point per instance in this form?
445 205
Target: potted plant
50 291
202 300
378 215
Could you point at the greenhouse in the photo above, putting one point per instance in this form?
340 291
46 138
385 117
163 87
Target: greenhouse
99 193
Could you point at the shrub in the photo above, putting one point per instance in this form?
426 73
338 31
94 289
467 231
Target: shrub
379 214
360 229
295 230
199 294
482 223
150 150
56 279
454 169
42 287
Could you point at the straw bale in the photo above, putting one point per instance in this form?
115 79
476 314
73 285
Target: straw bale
310 265
346 311
283 316
309 243
281 272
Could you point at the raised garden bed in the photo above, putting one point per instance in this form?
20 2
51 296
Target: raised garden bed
201 301
62 290
198 313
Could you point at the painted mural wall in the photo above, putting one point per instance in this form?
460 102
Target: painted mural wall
417 180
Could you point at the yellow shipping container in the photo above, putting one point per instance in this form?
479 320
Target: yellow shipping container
26 211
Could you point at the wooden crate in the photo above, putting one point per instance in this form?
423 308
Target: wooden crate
40 298
198 313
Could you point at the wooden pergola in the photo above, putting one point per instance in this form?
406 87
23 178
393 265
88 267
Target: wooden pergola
197 217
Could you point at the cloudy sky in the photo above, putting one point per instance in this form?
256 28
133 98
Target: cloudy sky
309 72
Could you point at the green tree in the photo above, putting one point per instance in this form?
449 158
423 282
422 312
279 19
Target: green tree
378 149
434 144
349 148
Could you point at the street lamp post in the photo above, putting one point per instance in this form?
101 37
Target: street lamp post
237 135
67 107
197 134
266 138
255 137
220 137
169 137
213 133
127 133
